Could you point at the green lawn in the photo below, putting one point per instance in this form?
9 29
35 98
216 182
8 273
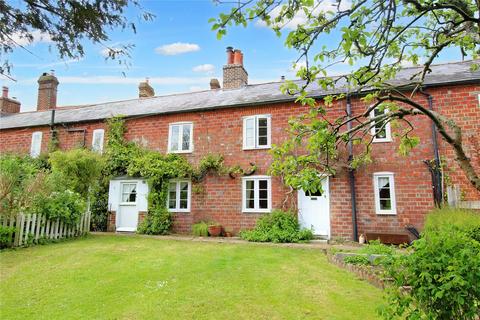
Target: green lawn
119 277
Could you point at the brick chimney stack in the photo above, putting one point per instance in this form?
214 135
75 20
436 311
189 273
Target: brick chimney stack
8 105
47 92
234 74
145 90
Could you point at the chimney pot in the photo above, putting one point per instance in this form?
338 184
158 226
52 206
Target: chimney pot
230 55
145 90
238 57
47 92
214 84
5 92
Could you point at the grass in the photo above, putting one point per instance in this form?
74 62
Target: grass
122 277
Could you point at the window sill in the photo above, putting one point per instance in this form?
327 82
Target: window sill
392 213
258 148
256 211
128 203
381 140
179 210
180 151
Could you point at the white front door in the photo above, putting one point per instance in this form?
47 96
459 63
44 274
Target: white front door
314 210
127 218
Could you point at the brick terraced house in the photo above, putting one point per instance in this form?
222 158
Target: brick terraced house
242 122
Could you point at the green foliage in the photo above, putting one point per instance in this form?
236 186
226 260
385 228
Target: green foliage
357 260
200 229
442 272
278 226
66 205
6 236
376 247
80 169
443 220
158 221
22 182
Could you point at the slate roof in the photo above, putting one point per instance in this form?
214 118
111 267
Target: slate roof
257 94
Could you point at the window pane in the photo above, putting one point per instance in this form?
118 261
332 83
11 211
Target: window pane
172 195
263 204
383 182
380 133
313 194
385 204
249 194
183 204
249 184
262 132
250 204
263 184
186 137
174 138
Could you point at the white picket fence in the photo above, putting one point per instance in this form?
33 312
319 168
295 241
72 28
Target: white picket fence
33 228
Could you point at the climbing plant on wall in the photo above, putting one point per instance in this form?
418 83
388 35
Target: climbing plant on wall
126 157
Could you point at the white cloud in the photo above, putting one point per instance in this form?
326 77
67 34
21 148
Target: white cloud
177 48
206 68
37 37
320 6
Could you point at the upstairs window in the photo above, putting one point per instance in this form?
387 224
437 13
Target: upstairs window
257 194
97 140
179 196
36 146
380 130
180 137
384 186
256 132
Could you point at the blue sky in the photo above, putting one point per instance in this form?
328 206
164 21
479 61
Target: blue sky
178 26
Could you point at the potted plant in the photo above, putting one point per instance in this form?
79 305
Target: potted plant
214 229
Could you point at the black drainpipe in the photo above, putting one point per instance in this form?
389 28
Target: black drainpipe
435 169
351 174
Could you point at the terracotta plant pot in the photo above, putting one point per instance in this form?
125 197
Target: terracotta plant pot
215 231
228 234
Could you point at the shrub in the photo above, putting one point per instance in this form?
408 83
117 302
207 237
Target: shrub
67 206
157 221
442 273
376 247
448 219
6 236
357 260
200 229
278 226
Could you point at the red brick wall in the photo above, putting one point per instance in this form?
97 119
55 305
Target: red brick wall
220 131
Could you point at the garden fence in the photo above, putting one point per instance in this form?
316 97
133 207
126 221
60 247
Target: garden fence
33 228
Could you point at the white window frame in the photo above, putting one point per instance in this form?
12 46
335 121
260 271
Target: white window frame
256 208
177 194
388 130
180 137
128 203
256 118
391 177
36 149
100 147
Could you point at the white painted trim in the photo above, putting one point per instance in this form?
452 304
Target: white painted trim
256 208
391 177
100 147
36 144
177 195
180 137
388 130
255 119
